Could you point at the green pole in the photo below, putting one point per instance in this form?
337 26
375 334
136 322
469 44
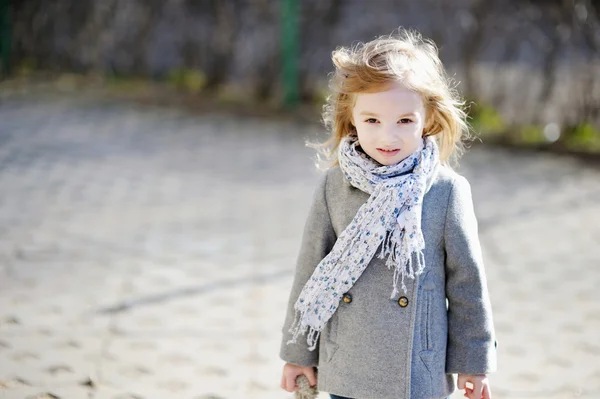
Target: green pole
5 39
290 47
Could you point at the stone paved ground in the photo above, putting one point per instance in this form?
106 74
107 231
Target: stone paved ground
146 253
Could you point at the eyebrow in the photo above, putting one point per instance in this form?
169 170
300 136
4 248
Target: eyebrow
367 113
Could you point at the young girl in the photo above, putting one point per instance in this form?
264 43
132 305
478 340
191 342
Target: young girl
389 298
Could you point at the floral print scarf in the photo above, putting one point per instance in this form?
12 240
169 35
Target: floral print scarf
391 218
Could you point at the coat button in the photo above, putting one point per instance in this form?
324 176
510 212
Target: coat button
347 298
403 301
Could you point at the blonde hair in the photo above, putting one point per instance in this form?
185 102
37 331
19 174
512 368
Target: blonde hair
370 67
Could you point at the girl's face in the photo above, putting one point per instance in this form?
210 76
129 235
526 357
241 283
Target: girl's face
389 123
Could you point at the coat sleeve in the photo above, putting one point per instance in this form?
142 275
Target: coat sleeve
317 240
471 338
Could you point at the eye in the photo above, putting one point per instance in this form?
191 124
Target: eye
371 120
405 120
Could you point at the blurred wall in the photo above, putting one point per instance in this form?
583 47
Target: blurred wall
535 61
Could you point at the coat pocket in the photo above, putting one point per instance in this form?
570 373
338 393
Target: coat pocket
330 344
332 328
330 349
427 316
427 358
427 341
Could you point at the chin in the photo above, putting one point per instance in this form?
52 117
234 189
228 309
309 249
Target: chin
388 162
394 161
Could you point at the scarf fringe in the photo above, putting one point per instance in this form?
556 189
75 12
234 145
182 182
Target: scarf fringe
296 329
400 258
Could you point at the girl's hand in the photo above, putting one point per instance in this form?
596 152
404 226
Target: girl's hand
481 386
291 372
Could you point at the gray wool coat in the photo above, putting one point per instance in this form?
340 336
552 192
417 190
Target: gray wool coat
410 346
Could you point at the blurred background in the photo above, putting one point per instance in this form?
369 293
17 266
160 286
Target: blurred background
155 184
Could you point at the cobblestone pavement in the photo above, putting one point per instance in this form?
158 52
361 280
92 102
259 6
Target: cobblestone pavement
148 253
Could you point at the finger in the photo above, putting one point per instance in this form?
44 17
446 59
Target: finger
312 378
477 389
461 381
290 383
467 386
487 392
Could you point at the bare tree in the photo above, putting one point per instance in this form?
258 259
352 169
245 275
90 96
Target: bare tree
586 17
222 42
149 13
94 38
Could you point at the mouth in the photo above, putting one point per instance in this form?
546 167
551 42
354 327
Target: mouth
388 153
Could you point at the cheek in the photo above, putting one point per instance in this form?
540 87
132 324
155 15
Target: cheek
417 136
409 133
417 131
412 138
366 139
363 130
362 136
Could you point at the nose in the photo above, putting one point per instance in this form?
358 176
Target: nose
391 134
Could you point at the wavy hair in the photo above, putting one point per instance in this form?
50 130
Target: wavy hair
404 56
